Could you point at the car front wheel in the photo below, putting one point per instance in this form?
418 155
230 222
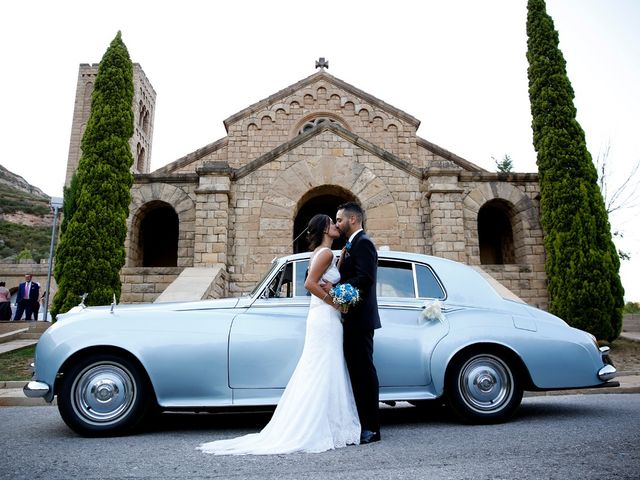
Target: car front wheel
483 388
103 395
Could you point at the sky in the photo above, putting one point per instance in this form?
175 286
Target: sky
458 66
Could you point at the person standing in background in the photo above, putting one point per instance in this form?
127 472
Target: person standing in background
28 297
5 302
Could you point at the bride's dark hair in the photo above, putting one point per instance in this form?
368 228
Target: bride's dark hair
316 229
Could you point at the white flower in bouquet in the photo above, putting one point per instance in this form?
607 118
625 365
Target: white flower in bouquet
345 295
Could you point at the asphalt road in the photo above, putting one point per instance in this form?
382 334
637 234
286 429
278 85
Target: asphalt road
552 437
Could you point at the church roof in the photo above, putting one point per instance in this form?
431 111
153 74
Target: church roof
320 75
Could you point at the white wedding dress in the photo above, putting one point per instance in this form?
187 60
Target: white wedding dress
317 411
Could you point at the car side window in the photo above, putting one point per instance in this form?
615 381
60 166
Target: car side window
301 270
282 284
395 279
428 285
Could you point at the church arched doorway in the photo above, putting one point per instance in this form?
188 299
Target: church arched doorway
158 237
319 200
495 234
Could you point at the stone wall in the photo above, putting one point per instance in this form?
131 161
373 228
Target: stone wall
527 281
144 284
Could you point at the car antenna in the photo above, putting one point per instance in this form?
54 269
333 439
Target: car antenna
113 304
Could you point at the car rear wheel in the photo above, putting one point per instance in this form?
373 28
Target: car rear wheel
103 394
483 388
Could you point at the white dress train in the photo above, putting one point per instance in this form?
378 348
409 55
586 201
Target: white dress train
317 411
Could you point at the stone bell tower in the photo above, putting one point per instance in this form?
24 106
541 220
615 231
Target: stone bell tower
144 109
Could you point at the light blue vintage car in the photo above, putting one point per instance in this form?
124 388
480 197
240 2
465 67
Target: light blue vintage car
110 366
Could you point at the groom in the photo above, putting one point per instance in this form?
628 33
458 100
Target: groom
359 268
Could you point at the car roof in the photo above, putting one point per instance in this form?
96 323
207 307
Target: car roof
464 284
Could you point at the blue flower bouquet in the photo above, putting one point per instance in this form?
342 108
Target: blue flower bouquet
345 295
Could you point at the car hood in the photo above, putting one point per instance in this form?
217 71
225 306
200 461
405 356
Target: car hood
213 304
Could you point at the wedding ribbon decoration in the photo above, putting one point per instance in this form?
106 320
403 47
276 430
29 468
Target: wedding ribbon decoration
432 311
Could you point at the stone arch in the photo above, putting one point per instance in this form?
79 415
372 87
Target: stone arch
310 92
281 106
390 123
148 197
256 122
515 204
324 199
336 176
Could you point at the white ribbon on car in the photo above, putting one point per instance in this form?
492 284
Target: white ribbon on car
432 311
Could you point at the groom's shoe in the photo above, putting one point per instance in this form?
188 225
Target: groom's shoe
367 436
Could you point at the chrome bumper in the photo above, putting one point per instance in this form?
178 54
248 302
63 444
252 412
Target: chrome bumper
607 372
35 389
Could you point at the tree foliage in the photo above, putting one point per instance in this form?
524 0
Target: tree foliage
91 252
582 264
505 165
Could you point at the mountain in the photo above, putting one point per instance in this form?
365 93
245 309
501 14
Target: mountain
19 183
25 218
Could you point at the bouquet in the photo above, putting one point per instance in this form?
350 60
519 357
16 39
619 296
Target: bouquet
345 295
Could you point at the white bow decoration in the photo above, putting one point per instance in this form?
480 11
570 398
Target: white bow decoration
432 311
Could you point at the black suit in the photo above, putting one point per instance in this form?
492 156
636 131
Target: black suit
359 268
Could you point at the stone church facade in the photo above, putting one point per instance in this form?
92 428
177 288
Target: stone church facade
217 217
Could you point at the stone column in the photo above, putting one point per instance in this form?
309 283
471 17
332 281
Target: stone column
445 206
212 214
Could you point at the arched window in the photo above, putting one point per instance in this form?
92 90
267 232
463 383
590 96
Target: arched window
158 238
495 233
145 123
314 122
141 158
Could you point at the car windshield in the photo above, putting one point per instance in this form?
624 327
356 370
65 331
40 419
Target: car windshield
274 265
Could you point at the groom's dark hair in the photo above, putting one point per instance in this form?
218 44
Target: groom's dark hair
352 208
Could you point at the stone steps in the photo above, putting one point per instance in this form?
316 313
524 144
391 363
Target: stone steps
10 331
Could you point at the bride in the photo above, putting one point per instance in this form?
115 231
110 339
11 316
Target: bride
317 411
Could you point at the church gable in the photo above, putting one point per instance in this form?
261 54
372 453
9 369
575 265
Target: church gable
320 98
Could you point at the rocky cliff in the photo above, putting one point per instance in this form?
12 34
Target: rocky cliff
25 218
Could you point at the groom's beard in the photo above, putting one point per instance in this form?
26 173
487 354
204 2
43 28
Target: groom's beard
346 233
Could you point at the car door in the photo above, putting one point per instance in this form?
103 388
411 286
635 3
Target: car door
266 341
404 344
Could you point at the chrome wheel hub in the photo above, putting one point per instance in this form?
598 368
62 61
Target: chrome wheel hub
103 393
486 383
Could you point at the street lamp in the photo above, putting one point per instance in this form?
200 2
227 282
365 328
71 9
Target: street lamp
55 204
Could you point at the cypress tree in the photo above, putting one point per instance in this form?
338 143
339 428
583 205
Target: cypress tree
582 264
91 252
